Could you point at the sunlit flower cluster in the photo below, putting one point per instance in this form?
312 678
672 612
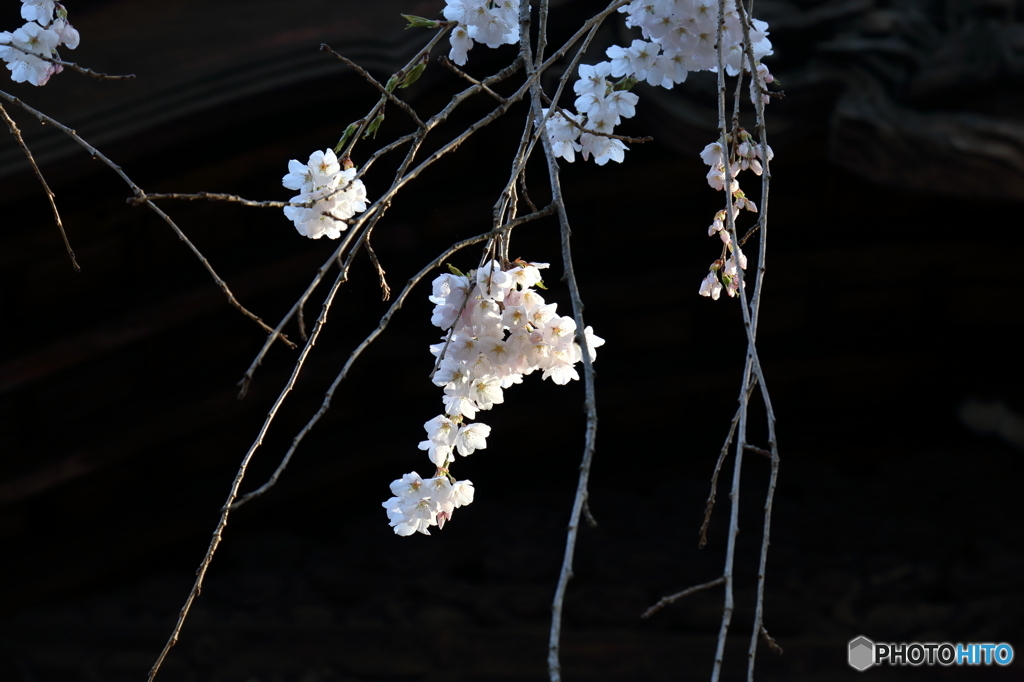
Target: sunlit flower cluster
499 330
492 22
335 193
26 50
680 36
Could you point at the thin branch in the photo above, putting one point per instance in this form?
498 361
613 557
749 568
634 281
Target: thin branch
741 426
710 505
590 403
239 475
590 29
611 136
365 121
587 514
772 644
302 323
387 94
13 127
756 88
760 451
96 154
384 321
450 65
384 288
671 599
71 65
365 225
216 196
417 139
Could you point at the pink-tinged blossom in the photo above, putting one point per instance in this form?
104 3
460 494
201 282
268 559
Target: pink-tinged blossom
69 36
486 392
560 366
711 286
491 347
28 45
462 493
471 438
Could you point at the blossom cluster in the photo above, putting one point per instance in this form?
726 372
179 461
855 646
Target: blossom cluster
490 22
680 36
419 504
499 330
335 195
746 155
26 50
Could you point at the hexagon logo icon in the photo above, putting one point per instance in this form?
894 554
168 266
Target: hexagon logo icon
862 653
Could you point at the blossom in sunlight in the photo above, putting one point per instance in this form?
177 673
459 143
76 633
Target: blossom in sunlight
332 195
498 329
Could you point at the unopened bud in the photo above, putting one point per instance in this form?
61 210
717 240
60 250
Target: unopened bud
374 125
626 83
420 22
414 74
349 132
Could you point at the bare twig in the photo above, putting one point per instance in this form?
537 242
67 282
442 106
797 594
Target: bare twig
385 290
741 421
385 320
13 127
387 94
96 154
587 514
758 627
590 403
665 601
450 65
302 323
216 196
714 481
416 139
71 65
365 121
760 451
240 474
772 644
363 226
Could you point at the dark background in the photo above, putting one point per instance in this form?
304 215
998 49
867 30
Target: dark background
889 340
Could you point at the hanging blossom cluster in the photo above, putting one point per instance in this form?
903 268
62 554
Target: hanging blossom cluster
335 194
499 330
490 22
26 50
746 155
680 37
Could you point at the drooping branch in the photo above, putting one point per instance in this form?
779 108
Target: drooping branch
16 133
384 321
141 195
71 65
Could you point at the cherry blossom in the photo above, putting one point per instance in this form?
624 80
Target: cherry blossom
334 195
498 330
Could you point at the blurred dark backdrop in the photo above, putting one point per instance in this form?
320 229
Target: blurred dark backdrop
891 314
